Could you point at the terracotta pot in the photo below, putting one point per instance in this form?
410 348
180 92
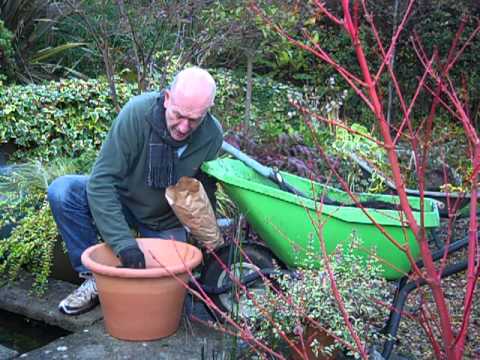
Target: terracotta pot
142 304
323 339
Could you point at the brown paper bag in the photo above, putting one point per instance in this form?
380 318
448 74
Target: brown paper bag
190 203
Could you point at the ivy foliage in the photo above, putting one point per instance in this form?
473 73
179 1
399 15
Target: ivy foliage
68 117
57 118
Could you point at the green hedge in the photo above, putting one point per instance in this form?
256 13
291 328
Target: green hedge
57 118
68 117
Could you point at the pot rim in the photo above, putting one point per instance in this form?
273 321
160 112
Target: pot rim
192 259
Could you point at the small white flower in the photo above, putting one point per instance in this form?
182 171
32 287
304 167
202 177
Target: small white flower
62 348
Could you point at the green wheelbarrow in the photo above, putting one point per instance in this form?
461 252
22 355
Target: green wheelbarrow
285 211
288 224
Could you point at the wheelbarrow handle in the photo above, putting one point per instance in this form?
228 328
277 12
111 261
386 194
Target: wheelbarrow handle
263 170
254 164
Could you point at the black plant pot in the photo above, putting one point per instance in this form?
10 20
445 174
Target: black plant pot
62 268
6 150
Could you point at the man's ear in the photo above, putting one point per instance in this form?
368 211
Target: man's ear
166 99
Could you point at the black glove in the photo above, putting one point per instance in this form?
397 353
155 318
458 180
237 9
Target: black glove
132 257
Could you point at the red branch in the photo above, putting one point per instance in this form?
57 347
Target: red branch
443 93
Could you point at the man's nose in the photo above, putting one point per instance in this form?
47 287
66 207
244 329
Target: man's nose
184 126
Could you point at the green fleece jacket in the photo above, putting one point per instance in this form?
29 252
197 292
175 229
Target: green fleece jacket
118 176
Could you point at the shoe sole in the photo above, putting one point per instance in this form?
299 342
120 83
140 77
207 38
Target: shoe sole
65 311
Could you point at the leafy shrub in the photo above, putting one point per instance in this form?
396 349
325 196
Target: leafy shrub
32 240
24 207
347 143
6 51
271 111
66 118
308 298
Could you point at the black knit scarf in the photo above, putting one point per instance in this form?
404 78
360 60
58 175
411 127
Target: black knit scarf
162 150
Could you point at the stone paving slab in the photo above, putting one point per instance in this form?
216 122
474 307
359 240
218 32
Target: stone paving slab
94 343
6 353
17 298
90 340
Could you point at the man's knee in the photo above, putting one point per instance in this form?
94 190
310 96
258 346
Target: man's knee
64 187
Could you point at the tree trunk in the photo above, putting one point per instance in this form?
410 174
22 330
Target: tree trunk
110 75
248 95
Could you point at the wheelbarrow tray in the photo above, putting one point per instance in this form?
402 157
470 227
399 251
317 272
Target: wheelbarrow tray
289 224
441 196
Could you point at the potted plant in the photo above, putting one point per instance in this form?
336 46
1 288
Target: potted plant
304 309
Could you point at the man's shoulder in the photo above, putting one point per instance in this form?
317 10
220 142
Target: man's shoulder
209 135
216 133
215 127
144 100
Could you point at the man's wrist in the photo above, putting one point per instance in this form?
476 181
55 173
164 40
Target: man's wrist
132 257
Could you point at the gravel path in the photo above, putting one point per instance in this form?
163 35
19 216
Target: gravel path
413 341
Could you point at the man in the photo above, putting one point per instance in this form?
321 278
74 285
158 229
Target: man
156 139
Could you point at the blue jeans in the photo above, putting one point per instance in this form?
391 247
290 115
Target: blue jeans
67 196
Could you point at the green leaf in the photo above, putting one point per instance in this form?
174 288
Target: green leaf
51 52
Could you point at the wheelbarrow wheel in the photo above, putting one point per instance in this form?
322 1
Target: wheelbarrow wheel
215 275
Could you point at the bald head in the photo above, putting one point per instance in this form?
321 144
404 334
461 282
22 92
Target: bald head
187 101
194 84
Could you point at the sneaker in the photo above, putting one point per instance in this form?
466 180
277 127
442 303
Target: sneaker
82 299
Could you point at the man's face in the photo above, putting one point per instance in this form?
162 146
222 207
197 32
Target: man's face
183 115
